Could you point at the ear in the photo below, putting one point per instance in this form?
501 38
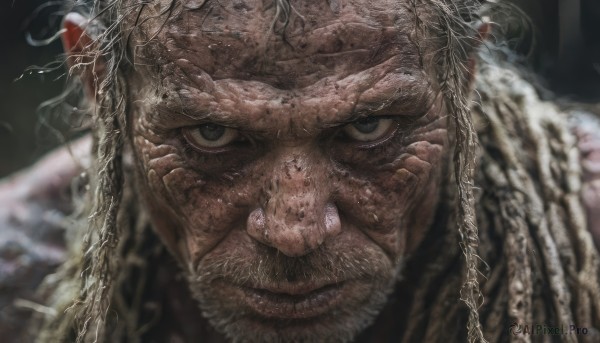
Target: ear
83 58
483 31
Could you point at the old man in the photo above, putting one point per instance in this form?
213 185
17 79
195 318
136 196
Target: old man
312 171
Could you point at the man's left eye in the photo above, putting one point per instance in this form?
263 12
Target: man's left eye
370 129
210 137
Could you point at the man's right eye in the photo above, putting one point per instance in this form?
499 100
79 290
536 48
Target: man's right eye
211 137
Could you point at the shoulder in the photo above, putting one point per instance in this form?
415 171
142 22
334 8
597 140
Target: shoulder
586 127
34 205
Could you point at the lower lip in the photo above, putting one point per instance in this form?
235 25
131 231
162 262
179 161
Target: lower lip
286 306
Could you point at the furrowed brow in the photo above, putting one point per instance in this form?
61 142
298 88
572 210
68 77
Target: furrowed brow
192 114
410 97
413 100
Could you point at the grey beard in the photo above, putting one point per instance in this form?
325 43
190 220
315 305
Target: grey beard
341 324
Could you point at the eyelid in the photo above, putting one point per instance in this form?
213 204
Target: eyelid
190 138
393 131
338 134
402 123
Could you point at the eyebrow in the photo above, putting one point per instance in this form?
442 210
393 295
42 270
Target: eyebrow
184 110
415 102
414 99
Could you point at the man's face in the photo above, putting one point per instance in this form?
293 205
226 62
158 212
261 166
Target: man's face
290 176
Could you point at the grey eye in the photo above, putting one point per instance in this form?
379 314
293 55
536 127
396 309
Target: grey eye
211 132
210 136
367 125
369 129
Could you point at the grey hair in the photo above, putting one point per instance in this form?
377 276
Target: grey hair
448 27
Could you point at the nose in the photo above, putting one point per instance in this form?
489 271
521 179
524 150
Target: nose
297 216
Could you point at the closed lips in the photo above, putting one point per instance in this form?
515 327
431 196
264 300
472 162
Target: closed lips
294 301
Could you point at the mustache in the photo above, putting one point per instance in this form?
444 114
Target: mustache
267 266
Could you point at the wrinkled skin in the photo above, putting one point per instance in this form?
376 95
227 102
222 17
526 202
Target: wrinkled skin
295 230
304 207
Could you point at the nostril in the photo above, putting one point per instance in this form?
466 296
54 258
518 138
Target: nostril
301 215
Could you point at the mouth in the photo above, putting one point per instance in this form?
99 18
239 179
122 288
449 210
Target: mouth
294 301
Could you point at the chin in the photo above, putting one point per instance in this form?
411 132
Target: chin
324 297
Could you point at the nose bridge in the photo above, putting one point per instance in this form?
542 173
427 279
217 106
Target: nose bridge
297 215
294 199
296 174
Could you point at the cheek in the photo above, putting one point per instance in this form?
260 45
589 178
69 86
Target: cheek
394 203
190 213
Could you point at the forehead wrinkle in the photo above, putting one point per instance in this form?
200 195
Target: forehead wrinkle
249 50
405 49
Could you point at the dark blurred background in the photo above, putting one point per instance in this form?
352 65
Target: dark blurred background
566 53
23 138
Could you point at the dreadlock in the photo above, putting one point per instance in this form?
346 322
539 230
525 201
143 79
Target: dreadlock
515 194
531 229
96 233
